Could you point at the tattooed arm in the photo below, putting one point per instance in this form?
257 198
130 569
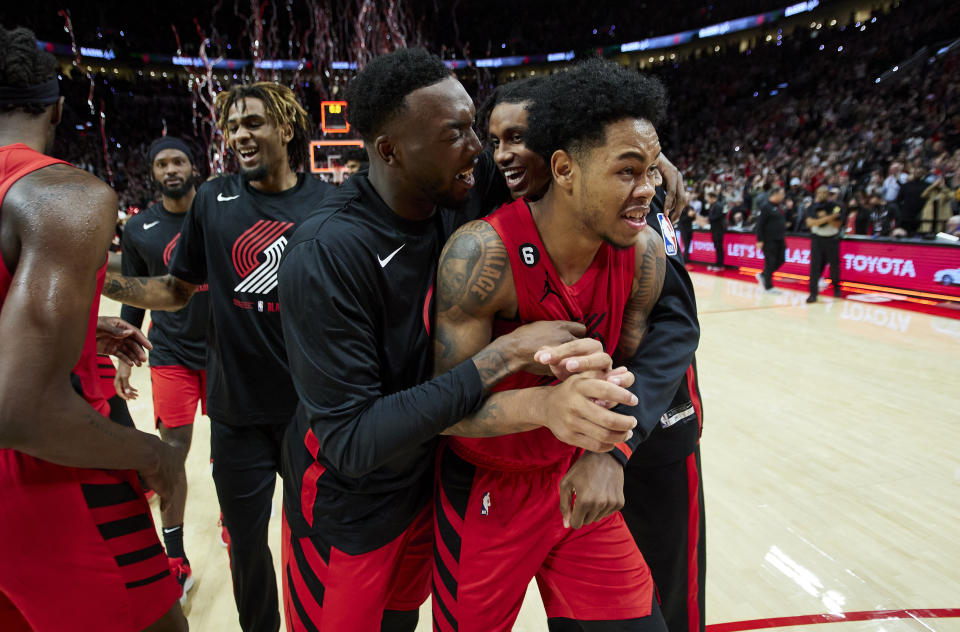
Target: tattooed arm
186 269
474 286
649 270
165 292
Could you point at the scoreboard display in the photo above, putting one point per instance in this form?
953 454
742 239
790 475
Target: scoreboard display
333 117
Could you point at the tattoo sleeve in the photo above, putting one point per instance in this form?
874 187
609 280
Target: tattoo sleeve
163 292
473 275
491 419
651 264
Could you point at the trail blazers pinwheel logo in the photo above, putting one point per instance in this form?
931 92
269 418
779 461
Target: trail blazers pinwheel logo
259 274
168 250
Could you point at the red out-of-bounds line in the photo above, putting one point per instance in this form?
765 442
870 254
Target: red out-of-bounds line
815 619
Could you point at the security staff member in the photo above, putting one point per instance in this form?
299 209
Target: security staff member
824 222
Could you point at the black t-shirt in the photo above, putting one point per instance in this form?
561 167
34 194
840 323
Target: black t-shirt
179 338
232 239
360 355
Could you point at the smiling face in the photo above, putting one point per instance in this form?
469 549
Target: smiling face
260 145
617 181
435 145
526 172
172 171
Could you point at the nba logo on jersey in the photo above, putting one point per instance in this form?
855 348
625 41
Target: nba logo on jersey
485 504
669 236
259 306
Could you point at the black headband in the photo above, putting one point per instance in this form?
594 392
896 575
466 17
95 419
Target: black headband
168 142
40 94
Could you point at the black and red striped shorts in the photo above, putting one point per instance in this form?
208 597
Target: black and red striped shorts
325 589
495 531
78 550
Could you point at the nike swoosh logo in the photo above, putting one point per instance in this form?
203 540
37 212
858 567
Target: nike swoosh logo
226 198
384 262
150 225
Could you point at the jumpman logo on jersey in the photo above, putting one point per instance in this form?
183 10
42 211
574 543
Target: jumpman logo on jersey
548 289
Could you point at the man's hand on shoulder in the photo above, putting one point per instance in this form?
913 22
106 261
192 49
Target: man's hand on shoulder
676 192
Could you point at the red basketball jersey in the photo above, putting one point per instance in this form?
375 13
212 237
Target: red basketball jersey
597 300
16 161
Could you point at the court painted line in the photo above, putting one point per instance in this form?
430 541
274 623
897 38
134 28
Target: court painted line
741 309
816 619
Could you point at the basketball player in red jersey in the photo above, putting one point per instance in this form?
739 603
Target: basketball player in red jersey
580 252
655 480
78 548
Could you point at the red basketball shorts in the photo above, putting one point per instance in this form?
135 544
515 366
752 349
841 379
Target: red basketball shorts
495 531
78 550
176 391
328 590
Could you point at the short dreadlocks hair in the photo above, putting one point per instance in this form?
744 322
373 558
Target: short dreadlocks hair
282 108
519 91
23 65
574 107
376 95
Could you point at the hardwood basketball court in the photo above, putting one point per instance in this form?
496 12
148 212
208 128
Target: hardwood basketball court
831 460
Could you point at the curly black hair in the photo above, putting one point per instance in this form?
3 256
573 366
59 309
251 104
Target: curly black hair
519 91
282 108
575 107
377 94
22 64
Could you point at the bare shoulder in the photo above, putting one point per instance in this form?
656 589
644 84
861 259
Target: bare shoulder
474 273
61 207
61 193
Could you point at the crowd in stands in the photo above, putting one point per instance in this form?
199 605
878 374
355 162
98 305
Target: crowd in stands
805 108
810 111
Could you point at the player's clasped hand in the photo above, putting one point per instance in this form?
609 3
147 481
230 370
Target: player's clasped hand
591 490
528 339
575 418
581 356
576 356
117 337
